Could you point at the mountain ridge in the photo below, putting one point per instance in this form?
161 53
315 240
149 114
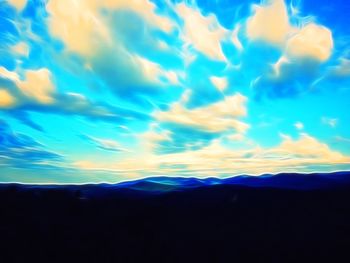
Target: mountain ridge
294 181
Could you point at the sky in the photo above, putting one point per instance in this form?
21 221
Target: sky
115 90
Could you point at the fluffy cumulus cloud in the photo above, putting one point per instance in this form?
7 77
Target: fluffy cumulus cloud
313 41
304 45
118 89
270 22
83 28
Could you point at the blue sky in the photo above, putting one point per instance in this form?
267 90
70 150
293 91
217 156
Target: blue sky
114 90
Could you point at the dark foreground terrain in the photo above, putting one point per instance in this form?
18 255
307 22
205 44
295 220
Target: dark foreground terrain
283 218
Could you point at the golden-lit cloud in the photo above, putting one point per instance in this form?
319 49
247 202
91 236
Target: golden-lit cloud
18 4
216 159
154 72
80 27
216 117
38 85
311 41
220 83
6 99
270 22
83 28
204 33
10 75
21 48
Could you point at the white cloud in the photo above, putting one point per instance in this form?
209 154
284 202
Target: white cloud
235 39
107 144
277 66
299 125
220 83
204 33
332 122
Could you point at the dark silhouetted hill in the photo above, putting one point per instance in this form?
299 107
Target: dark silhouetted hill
281 218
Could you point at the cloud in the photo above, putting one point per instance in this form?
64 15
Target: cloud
270 22
342 139
80 24
105 144
342 70
309 148
331 122
72 104
180 128
204 33
37 93
6 99
235 38
152 138
18 4
299 125
217 160
21 151
311 41
121 56
220 83
10 75
21 48
216 117
155 73
38 85
295 50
